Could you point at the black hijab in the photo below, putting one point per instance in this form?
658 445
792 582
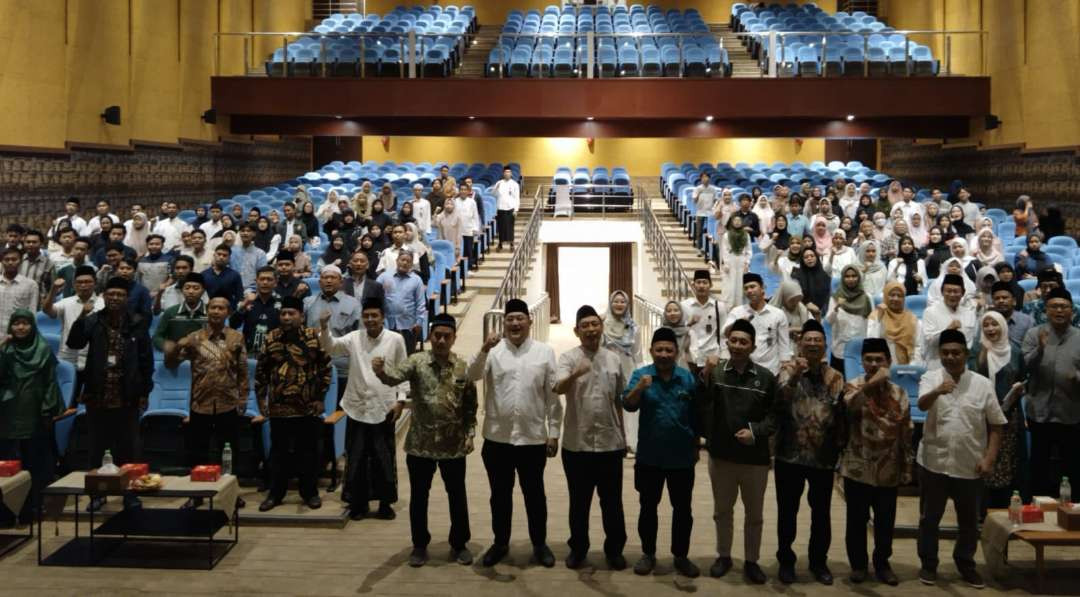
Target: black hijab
816 285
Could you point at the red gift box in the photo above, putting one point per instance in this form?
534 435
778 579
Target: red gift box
10 468
134 470
208 473
1031 513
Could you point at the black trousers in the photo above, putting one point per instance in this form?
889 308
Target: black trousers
207 435
504 221
113 429
602 472
1047 438
421 472
410 340
649 482
371 468
504 462
790 481
935 490
76 392
699 231
294 452
861 499
38 456
468 249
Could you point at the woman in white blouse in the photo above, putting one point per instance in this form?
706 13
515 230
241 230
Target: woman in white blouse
900 328
839 256
907 268
873 270
848 311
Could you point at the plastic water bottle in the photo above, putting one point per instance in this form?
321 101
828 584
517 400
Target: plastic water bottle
107 466
226 460
1015 505
1065 493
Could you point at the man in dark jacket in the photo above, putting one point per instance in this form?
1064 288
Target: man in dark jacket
735 406
358 284
118 378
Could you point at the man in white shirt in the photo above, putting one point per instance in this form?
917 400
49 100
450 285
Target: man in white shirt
593 444
213 225
704 197
522 416
773 345
71 217
102 211
908 206
421 209
62 257
202 257
170 227
389 255
704 316
465 205
507 202
950 314
955 454
971 210
16 290
67 310
373 409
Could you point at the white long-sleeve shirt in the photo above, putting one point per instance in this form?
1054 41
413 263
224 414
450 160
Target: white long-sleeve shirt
468 213
845 327
772 343
507 195
594 417
520 404
366 399
897 271
955 433
937 319
171 230
835 263
704 333
421 209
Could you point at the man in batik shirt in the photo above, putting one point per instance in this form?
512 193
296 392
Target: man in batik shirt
876 461
440 434
291 380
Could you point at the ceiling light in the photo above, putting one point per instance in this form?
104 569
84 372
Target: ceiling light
338 116
709 118
589 118
850 117
472 118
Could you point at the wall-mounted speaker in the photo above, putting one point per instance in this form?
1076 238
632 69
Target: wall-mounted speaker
992 122
111 115
210 116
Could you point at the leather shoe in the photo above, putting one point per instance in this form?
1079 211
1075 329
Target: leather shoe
858 576
269 504
886 575
687 568
543 556
720 567
385 512
616 562
786 574
418 557
753 573
645 565
358 514
494 555
822 575
314 502
462 556
575 560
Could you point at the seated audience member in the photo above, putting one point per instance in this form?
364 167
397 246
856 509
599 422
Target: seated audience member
1032 259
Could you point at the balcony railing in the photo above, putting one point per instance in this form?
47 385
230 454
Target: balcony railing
673 278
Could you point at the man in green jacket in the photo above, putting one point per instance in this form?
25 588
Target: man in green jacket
735 407
183 319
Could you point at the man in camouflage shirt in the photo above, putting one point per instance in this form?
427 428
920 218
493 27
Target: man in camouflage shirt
441 434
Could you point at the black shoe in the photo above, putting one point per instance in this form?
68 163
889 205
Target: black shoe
928 577
972 578
462 556
494 555
357 514
385 512
753 573
314 502
95 504
645 565
575 560
823 575
543 556
269 504
687 568
132 503
858 576
786 574
720 567
192 503
616 562
886 575
418 557
240 503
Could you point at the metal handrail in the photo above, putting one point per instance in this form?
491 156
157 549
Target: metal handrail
649 316
673 276
513 284
546 190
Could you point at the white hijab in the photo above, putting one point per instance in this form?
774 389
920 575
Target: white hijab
997 353
765 214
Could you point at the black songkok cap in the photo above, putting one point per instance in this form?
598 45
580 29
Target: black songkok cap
1000 286
702 274
1048 274
194 278
952 336
749 277
953 279
85 270
445 320
664 335
372 303
516 306
876 345
585 311
291 302
742 325
813 325
286 256
1059 293
118 282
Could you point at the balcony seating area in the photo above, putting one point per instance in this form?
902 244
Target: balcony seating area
600 190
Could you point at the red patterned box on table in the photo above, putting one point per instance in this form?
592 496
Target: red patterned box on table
208 473
134 470
1031 513
10 468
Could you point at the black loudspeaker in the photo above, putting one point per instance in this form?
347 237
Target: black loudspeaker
992 122
210 116
111 115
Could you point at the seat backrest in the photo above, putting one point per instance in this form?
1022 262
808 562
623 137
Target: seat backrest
853 358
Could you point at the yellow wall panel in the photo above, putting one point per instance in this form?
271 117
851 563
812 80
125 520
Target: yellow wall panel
640 156
98 70
276 15
155 91
235 17
32 84
198 21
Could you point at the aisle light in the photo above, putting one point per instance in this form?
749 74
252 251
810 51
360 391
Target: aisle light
850 117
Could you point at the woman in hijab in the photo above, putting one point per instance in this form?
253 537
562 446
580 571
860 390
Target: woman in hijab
264 235
847 226
378 240
900 327
335 254
1024 216
907 269
872 268
275 218
735 253
917 231
847 315
823 240
724 208
621 335
984 283
200 216
301 260
308 219
405 214
783 262
849 201
1007 274
895 193
386 198
1029 261
420 250
933 212
936 252
840 255
379 217
361 201
349 230
945 224
814 281
675 320
825 213
952 265
137 231
436 197
865 209
986 248
780 238
956 218
788 298
1001 361
368 248
765 214
29 399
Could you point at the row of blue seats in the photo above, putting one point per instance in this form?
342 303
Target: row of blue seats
599 176
743 175
799 60
407 173
644 21
693 60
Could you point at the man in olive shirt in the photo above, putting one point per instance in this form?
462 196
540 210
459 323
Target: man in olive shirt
735 406
180 320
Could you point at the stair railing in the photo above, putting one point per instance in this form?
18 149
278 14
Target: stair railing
673 279
649 316
513 285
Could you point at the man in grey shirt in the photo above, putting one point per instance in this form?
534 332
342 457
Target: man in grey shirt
1005 303
704 197
344 316
1052 356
